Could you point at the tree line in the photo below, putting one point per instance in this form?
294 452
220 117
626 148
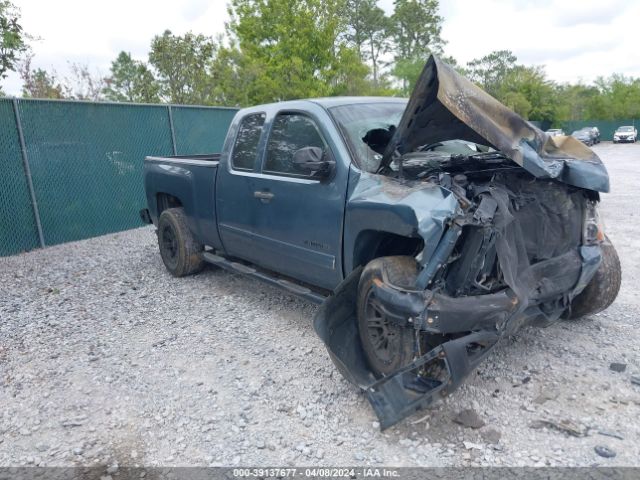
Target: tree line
276 50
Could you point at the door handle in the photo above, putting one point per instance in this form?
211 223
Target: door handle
264 196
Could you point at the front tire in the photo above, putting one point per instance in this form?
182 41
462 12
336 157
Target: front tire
180 251
387 346
603 288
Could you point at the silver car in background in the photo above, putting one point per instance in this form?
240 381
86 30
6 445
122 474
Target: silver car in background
555 132
625 134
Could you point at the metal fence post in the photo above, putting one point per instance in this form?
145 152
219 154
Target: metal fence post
27 171
173 132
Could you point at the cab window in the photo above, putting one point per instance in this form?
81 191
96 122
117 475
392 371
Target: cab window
289 133
245 150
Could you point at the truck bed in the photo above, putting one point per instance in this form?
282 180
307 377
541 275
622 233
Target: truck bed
191 180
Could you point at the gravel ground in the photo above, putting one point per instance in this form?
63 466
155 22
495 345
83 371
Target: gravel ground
106 359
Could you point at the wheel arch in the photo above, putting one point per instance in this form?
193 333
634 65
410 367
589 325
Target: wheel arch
371 244
166 200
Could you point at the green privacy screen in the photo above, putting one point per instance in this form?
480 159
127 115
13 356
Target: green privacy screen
17 223
86 164
198 131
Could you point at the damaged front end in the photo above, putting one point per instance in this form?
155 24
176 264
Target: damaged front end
504 246
513 256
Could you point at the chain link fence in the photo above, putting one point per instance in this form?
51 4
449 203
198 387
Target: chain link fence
72 170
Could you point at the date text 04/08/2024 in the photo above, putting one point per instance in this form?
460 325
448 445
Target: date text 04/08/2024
316 472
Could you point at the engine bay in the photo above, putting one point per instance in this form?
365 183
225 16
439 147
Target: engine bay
508 220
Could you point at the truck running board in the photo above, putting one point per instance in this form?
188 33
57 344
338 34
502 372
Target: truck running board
263 275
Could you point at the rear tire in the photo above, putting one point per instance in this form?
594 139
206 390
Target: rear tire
603 287
180 251
387 346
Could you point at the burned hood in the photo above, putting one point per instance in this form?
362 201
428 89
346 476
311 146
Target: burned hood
446 106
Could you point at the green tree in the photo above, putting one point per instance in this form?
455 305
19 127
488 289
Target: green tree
12 38
610 98
182 64
526 90
39 83
286 50
131 81
350 75
621 95
529 93
517 102
491 70
369 30
416 32
576 102
236 78
356 23
378 31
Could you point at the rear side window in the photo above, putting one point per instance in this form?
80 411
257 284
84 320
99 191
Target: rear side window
245 150
289 133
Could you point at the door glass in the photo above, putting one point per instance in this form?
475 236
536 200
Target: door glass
289 133
245 150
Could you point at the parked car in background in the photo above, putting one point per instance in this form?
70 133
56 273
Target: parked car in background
555 132
595 131
585 135
625 134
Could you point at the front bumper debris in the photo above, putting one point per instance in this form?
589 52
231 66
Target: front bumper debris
473 324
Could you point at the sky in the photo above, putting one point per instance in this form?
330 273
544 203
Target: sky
576 40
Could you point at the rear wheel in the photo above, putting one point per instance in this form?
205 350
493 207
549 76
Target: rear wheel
386 345
603 287
179 250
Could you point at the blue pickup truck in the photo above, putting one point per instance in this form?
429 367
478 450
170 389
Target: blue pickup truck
427 229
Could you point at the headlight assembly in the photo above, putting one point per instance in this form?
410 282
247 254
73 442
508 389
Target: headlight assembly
592 228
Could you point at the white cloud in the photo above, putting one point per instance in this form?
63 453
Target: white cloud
574 39
93 32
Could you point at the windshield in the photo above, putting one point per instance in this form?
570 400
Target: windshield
579 132
625 129
373 123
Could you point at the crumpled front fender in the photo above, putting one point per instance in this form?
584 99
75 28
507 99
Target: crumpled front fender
479 320
401 394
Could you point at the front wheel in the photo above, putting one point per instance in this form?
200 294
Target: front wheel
180 251
387 346
603 288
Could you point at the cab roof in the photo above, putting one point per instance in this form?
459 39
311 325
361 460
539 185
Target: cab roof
329 102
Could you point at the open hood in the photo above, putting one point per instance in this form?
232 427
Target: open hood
446 106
